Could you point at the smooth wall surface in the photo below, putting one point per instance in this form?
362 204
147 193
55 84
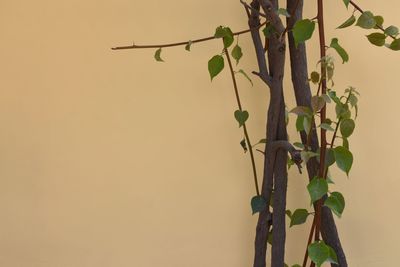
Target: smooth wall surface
110 159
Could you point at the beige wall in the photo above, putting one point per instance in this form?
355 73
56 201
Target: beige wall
110 159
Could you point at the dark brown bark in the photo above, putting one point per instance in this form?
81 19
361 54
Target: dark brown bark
275 172
299 71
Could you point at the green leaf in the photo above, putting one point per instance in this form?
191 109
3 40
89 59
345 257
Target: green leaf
288 213
244 145
228 39
283 12
302 111
327 127
317 188
336 203
299 145
298 217
326 98
346 2
215 65
268 30
317 103
157 55
237 53
377 38
379 21
189 45
220 32
342 111
350 21
347 127
299 123
344 159
332 95
241 117
342 53
226 34
303 30
296 265
366 20
392 30
307 124
245 75
329 178
307 155
395 45
332 256
262 141
353 100
314 77
329 157
318 252
258 204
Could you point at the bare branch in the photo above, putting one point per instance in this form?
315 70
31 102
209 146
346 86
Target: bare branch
272 16
133 46
254 24
253 9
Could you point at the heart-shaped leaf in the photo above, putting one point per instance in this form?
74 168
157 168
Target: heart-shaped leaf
299 216
347 127
303 30
377 38
241 117
215 66
366 20
344 158
258 204
317 188
336 203
237 53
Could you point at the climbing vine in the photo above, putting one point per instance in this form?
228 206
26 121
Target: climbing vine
315 92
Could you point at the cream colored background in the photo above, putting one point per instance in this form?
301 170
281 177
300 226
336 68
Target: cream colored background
110 159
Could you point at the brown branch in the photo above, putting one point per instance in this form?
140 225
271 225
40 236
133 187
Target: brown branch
302 90
247 6
133 46
320 18
309 242
254 25
291 13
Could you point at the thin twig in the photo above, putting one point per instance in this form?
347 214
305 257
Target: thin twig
246 134
318 211
292 13
134 46
253 9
